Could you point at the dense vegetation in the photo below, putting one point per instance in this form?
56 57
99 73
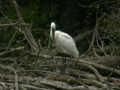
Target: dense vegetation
27 61
94 24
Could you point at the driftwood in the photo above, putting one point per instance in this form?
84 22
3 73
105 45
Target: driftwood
40 82
81 74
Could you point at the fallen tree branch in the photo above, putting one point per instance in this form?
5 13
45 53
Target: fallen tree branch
81 60
100 66
97 74
13 24
11 50
27 86
38 82
16 81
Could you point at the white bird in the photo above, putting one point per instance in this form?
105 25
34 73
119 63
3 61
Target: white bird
63 42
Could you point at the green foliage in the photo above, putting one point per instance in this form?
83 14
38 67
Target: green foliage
5 34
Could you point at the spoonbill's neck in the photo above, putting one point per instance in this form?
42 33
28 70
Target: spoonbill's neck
53 28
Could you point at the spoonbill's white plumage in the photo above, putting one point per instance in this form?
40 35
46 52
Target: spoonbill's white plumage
63 42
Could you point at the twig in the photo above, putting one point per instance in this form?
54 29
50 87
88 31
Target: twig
65 86
56 84
100 66
97 74
16 81
7 67
81 60
28 86
28 35
17 11
3 85
13 24
37 82
11 50
11 40
94 37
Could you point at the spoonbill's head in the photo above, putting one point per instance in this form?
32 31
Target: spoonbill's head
53 26
52 32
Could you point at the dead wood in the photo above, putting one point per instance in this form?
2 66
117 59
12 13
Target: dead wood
14 24
11 50
83 73
75 79
112 61
26 30
81 61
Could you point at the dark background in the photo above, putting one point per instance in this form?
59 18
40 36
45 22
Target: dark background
76 17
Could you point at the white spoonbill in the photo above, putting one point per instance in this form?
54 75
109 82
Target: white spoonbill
63 42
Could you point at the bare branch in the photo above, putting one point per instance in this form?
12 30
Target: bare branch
13 24
27 33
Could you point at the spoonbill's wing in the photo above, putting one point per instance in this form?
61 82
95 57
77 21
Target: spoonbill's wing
66 44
